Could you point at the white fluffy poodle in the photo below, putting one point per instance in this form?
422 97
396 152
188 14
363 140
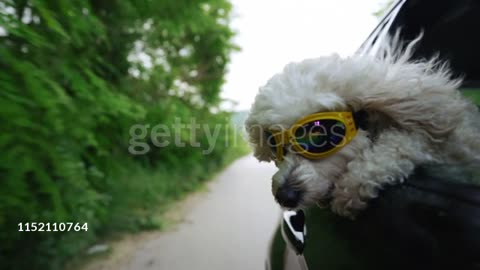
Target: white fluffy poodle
407 113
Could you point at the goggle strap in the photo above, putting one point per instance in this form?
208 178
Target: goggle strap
361 119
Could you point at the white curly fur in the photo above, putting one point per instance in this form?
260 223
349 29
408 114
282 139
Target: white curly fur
416 116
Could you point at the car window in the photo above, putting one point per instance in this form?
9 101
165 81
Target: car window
371 45
450 31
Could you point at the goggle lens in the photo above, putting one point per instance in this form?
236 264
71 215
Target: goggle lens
314 136
272 143
320 136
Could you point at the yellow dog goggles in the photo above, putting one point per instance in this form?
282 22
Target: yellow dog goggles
314 136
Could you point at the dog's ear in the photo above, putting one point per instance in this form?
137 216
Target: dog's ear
414 95
432 112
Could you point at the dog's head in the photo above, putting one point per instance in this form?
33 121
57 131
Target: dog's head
388 92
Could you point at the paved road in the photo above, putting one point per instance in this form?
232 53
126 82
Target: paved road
227 227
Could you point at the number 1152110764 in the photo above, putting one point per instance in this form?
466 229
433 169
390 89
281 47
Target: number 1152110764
52 227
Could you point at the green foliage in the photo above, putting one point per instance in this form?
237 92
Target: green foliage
473 94
75 76
385 6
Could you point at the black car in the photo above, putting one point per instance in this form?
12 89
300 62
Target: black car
432 221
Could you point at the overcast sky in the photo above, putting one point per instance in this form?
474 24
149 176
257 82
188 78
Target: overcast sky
273 33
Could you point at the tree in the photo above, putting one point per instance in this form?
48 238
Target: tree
75 76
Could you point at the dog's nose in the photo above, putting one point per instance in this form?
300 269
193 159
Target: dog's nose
287 197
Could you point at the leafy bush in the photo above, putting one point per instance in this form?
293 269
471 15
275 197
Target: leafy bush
75 76
472 94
